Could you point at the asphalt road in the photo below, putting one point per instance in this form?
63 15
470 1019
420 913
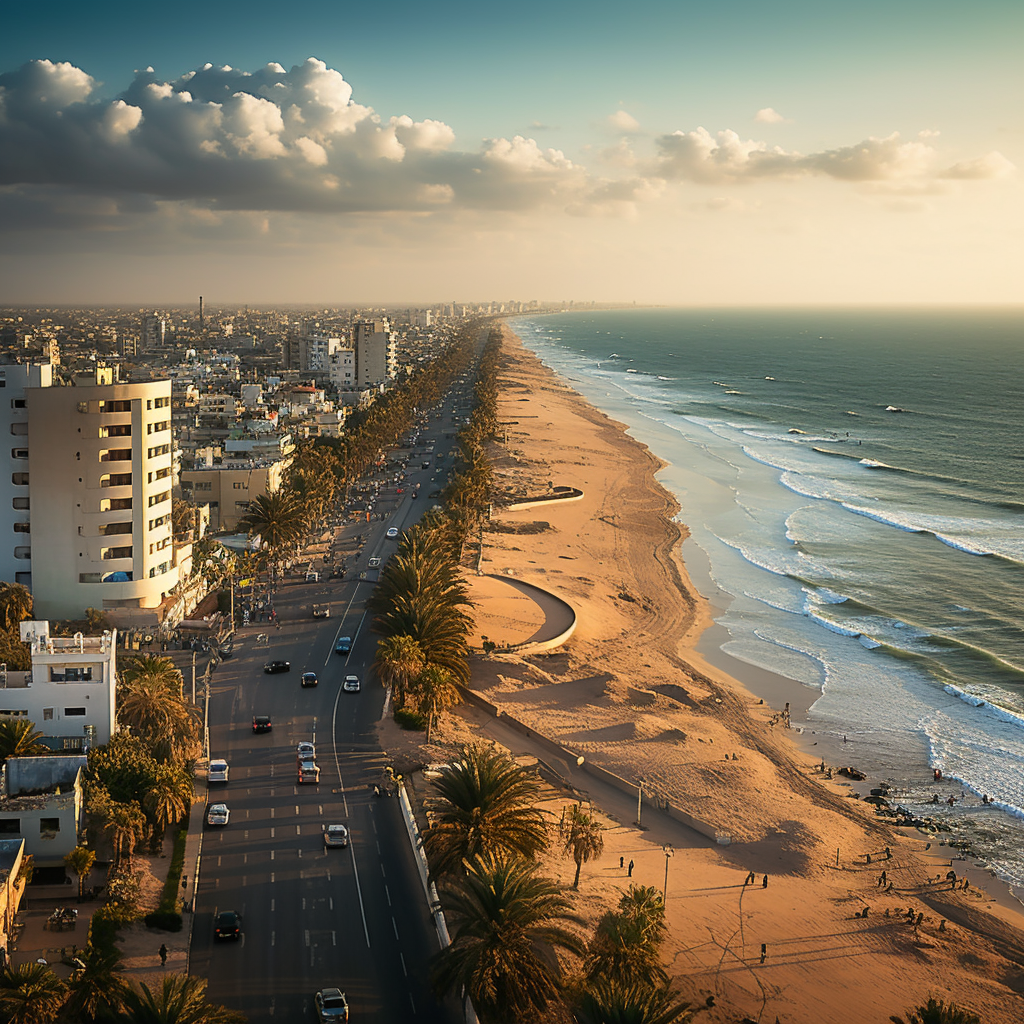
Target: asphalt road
353 918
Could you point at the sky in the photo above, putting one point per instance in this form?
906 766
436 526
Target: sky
665 151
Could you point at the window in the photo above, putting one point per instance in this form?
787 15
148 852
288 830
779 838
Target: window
203 485
19 429
161 403
161 474
116 480
116 455
115 528
243 505
19 479
10 827
88 577
159 521
17 403
115 505
22 552
108 553
156 428
49 825
122 430
19 503
72 743
22 528
239 486
19 453
160 449
47 714
74 712
71 674
157 499
123 405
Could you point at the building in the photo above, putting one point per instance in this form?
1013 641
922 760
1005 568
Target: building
69 693
341 368
12 888
376 351
154 333
41 802
229 487
15 528
98 459
315 351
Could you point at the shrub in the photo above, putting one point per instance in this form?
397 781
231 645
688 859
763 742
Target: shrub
165 920
410 719
169 896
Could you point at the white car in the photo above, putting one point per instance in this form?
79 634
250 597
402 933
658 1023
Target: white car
305 751
218 771
374 562
335 835
393 532
351 684
218 814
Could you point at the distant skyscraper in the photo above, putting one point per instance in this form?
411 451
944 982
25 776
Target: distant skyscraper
154 332
376 351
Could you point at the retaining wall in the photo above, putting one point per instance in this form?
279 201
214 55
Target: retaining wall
573 494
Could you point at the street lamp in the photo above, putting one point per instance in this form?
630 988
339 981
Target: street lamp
639 797
664 889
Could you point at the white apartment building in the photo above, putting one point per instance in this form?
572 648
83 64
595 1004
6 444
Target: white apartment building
69 693
315 351
15 537
376 351
98 458
229 487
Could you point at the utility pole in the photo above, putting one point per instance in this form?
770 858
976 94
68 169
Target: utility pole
193 678
639 797
664 889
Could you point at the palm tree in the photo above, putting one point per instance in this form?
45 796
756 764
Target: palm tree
645 905
126 826
170 799
30 994
437 692
398 661
15 604
508 925
938 1012
79 862
622 951
484 807
580 836
277 518
150 666
97 992
20 738
152 705
607 1001
178 999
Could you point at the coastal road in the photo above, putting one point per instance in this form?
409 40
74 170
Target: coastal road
353 918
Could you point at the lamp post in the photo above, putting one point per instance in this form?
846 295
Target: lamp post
639 797
664 889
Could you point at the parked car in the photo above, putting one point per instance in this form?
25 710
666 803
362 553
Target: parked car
331 1006
335 835
273 667
218 814
262 723
309 679
218 771
351 684
228 926
344 645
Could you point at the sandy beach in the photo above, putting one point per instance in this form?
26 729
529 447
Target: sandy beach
633 692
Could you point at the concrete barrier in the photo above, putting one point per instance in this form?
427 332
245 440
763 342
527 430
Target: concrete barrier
572 494
551 642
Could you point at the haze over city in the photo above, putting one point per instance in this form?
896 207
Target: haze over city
674 153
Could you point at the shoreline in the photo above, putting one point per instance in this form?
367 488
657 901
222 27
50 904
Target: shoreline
644 687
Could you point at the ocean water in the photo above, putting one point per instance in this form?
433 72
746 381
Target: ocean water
856 480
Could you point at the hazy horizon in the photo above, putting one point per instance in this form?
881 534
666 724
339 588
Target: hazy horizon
676 155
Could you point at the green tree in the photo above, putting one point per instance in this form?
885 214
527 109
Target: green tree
483 807
15 605
935 1011
178 999
79 862
508 924
437 692
580 836
169 800
123 768
277 518
125 826
97 992
151 704
621 951
398 661
30 994
645 905
20 738
609 1001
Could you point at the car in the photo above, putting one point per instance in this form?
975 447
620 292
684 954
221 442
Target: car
323 611
227 926
308 771
351 684
312 576
424 465
226 651
273 667
344 645
392 532
309 679
331 1006
335 835
262 723
217 814
305 751
218 771
374 563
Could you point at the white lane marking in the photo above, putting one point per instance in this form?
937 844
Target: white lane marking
387 892
307 937
273 833
272 876
218 860
330 902
273 938
303 902
271 811
373 822
334 938
378 846
395 926
296 808
341 624
298 830
404 969
328 876
337 763
359 892
272 905
320 810
245 856
272 854
412 1004
300 854
383 872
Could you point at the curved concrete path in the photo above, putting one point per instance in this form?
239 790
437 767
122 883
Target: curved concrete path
559 617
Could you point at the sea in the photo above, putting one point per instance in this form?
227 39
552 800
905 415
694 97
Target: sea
854 482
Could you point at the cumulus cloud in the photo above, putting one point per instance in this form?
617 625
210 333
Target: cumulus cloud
767 115
623 122
991 165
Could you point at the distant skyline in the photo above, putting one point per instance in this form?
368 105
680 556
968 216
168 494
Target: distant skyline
671 153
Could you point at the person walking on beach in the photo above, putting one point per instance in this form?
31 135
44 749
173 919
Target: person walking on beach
630 870
764 951
622 861
764 883
163 955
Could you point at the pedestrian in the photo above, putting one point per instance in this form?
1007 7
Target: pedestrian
884 878
622 861
764 882
629 873
163 955
764 951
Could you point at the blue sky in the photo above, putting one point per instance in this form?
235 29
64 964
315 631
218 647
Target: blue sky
602 84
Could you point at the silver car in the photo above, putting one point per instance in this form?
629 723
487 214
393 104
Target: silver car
218 771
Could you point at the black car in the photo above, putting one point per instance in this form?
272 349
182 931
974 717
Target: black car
272 667
344 645
262 723
309 679
228 926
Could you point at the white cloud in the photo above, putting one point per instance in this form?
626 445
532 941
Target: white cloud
991 165
621 121
767 115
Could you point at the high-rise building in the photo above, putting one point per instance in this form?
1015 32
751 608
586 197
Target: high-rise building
315 351
90 511
154 332
376 351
